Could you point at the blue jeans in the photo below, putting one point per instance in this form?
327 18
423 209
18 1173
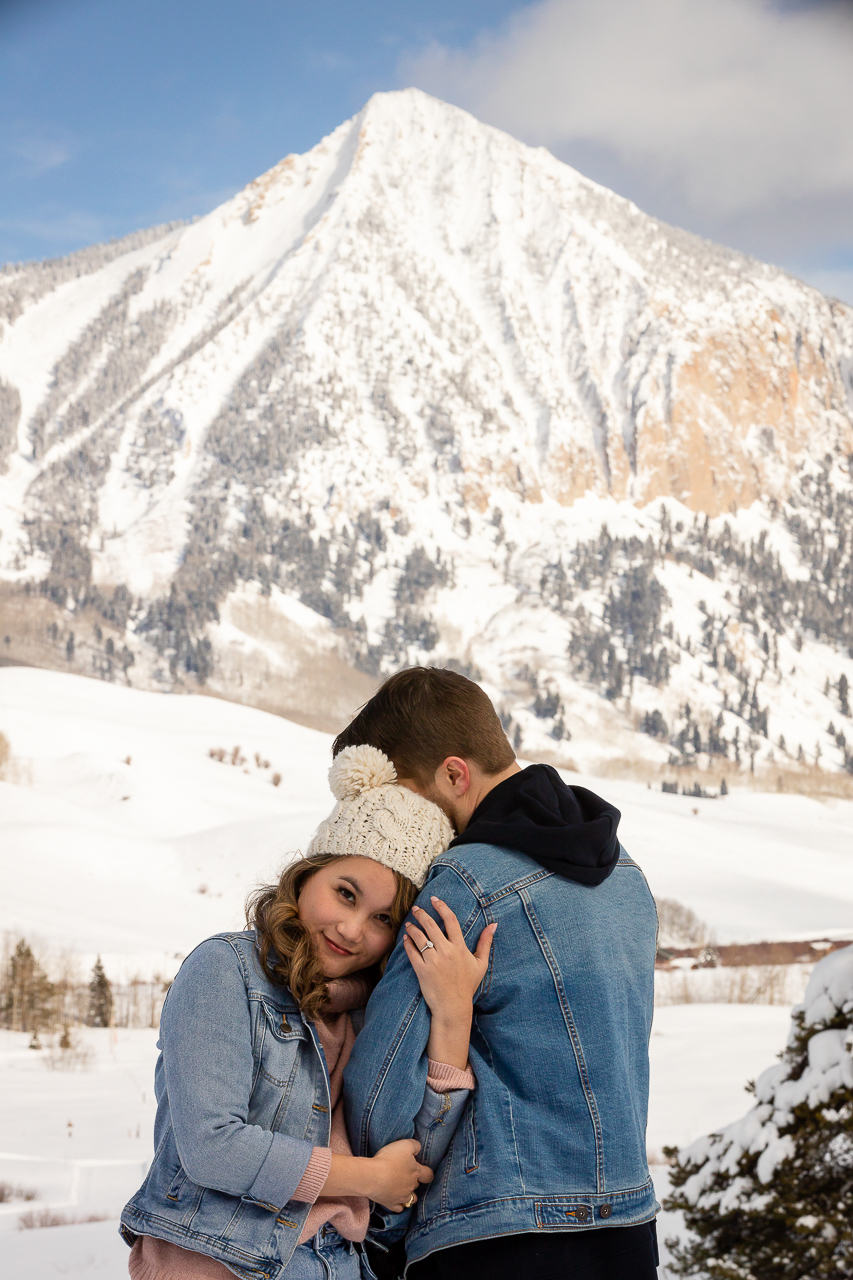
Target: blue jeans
328 1257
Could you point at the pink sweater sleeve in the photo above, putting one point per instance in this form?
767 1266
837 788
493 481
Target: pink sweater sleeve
443 1078
315 1175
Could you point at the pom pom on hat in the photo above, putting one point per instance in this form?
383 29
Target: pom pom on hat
358 769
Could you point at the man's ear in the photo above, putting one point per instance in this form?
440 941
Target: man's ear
454 772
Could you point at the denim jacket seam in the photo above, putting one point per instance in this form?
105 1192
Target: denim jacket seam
574 1037
517 886
596 1197
486 899
393 1049
192 1233
464 875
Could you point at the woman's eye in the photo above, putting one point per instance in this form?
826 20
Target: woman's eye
346 893
385 921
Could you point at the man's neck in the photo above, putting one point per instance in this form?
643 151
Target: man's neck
479 789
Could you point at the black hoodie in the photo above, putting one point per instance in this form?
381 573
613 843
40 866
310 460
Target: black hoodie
567 830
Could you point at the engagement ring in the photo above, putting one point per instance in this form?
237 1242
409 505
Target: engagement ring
426 946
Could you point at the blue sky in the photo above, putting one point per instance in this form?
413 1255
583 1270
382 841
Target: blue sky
729 117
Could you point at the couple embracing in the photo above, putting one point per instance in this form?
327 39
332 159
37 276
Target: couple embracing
428 1053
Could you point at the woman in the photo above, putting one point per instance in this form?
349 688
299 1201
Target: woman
253 1174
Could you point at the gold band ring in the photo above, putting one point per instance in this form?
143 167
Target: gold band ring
411 1200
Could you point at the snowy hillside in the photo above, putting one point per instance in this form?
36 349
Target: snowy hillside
379 408
114 815
121 834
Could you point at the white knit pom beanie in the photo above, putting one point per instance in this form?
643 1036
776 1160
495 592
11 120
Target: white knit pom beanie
376 818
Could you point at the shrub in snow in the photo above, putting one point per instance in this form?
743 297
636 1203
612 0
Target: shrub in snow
771 1196
679 926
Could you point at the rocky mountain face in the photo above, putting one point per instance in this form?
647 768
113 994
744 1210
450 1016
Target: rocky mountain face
427 394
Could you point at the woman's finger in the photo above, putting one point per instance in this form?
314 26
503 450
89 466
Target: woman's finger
411 951
484 944
431 927
452 926
416 936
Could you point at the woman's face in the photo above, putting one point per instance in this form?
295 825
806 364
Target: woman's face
346 908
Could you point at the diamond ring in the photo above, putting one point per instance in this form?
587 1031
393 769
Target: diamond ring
426 947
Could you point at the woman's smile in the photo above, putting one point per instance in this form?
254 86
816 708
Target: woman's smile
333 946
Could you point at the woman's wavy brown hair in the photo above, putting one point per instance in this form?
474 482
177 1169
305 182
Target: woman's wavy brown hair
287 955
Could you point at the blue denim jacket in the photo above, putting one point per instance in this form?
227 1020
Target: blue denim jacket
242 1099
553 1136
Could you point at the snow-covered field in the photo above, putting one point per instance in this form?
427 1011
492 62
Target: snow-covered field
138 861
702 1055
113 818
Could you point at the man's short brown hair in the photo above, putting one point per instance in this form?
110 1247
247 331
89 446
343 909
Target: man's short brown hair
422 715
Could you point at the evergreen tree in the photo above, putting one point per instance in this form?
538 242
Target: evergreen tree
771 1196
28 997
100 998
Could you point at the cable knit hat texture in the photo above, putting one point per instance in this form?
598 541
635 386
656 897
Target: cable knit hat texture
376 818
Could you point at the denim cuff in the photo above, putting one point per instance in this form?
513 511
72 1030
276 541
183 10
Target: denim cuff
282 1170
436 1122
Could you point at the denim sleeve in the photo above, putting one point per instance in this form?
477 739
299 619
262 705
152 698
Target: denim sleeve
436 1123
385 1086
206 1038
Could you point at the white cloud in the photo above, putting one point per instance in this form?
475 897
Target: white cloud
727 105
37 154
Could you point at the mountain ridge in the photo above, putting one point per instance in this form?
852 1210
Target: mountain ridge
383 398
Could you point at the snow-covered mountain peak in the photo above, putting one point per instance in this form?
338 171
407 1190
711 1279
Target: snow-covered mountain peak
378 406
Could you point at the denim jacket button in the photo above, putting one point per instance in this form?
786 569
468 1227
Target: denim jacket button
606 1210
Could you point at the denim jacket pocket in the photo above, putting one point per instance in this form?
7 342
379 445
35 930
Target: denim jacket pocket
281 1038
281 1046
185 1195
176 1185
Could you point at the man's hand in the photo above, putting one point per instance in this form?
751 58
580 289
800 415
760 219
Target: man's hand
395 1174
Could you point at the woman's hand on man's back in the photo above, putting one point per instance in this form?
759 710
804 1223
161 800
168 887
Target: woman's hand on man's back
449 976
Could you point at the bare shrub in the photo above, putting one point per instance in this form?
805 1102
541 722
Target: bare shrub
5 752
680 926
68 1053
36 1218
10 1192
138 1003
777 984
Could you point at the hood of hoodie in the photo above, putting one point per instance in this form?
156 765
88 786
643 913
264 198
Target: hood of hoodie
568 830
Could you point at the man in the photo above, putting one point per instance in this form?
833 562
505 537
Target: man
547 1174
